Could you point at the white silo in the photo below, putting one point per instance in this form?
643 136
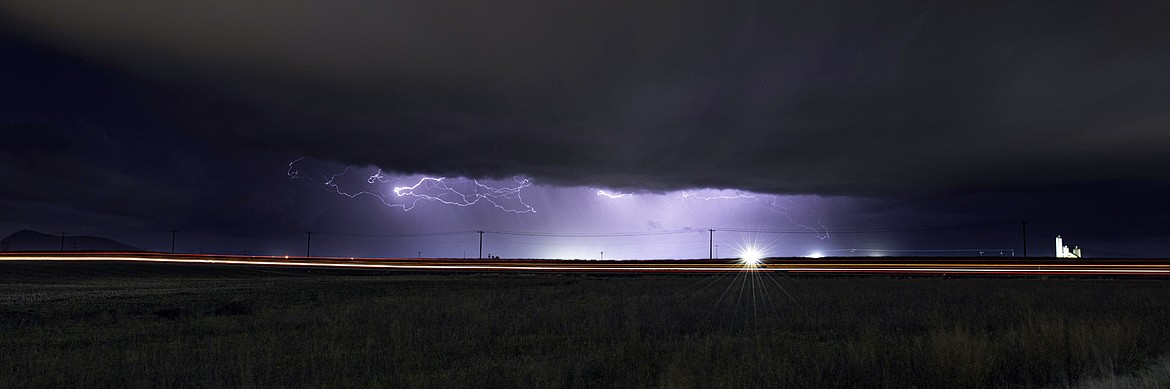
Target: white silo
1062 250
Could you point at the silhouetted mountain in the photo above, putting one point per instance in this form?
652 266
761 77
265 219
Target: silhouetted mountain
29 240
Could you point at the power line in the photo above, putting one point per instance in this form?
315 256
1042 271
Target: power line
679 243
675 232
925 228
592 235
868 230
1106 223
308 243
710 243
413 235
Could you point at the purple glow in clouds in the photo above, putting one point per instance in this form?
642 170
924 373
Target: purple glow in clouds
407 191
529 220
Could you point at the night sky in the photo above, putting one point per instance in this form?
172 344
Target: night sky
818 127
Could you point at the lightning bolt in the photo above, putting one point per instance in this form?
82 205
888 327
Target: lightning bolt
602 192
458 191
407 192
820 229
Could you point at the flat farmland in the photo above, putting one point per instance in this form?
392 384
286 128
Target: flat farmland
111 324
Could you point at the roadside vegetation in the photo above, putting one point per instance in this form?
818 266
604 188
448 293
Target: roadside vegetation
150 325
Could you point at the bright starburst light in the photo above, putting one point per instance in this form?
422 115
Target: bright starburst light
751 256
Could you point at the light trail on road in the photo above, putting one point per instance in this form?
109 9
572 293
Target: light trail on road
820 266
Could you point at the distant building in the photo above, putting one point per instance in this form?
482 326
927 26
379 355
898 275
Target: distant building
1062 250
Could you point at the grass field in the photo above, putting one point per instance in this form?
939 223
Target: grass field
150 325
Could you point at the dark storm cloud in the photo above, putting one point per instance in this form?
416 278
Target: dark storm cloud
81 177
80 153
834 98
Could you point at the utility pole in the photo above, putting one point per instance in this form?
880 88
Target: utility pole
173 241
480 244
62 241
716 250
711 243
309 243
1024 230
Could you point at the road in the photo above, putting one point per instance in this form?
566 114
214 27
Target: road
999 266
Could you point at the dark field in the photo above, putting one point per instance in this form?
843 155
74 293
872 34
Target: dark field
150 325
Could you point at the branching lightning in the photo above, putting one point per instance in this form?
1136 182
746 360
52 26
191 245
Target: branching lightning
410 191
460 192
770 202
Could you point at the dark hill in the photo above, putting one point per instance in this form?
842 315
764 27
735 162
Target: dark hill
29 240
